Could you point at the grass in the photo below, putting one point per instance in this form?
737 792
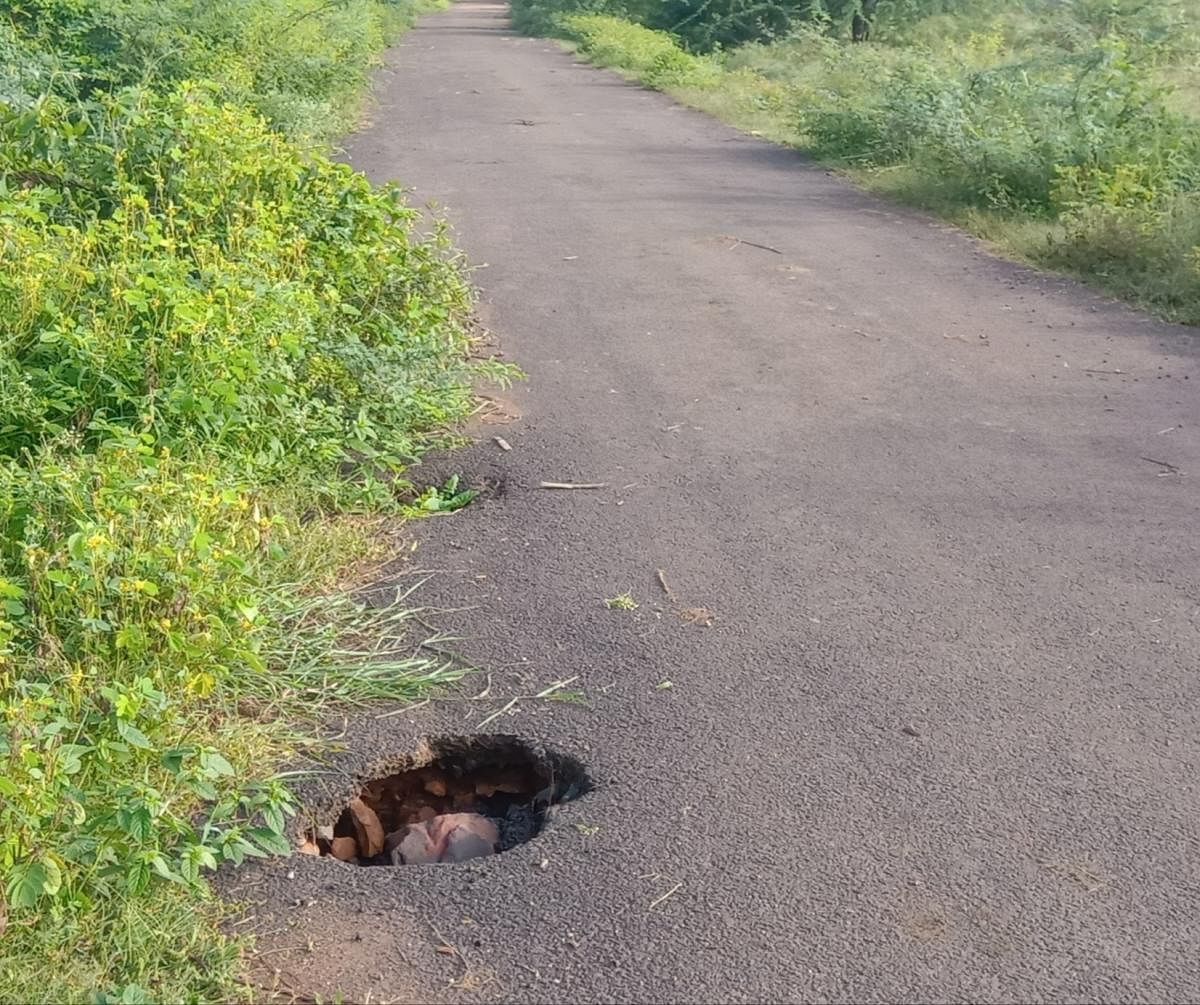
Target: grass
1067 135
621 602
167 946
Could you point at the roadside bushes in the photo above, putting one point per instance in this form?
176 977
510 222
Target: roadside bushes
701 25
1086 136
652 56
1005 134
301 64
546 17
212 338
185 271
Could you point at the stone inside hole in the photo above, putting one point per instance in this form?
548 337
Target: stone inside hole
458 798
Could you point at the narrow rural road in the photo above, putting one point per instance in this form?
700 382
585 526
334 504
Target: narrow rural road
941 740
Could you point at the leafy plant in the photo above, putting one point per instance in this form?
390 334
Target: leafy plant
445 498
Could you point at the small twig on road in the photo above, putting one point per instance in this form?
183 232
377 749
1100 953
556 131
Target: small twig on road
401 711
671 892
1165 464
448 948
502 443
546 692
753 244
558 685
499 712
662 581
1103 371
574 485
259 953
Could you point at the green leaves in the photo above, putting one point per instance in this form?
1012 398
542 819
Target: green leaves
214 765
133 736
29 882
446 498
357 343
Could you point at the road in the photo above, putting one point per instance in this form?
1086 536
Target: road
941 739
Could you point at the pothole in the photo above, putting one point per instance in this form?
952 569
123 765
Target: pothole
455 799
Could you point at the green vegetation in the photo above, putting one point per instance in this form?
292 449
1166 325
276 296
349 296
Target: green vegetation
217 348
445 498
1066 131
621 602
706 24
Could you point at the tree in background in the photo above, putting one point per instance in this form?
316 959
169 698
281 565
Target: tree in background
860 23
707 24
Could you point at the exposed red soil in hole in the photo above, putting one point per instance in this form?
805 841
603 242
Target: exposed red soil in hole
458 798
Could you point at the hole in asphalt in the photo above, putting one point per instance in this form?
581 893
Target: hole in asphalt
459 798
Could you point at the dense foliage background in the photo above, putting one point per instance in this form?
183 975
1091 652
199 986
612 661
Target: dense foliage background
704 24
211 337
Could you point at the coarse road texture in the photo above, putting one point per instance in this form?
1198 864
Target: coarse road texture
942 738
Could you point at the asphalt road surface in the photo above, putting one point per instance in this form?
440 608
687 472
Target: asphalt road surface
940 739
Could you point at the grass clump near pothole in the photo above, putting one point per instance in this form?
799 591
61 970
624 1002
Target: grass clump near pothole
215 340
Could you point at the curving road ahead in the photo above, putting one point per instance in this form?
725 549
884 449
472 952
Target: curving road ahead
941 739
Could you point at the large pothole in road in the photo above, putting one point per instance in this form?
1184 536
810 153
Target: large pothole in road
456 799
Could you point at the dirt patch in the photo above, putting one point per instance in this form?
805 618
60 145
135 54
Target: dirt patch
494 410
454 799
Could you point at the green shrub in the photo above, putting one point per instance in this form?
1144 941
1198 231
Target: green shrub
1002 132
299 63
548 17
218 288
654 57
